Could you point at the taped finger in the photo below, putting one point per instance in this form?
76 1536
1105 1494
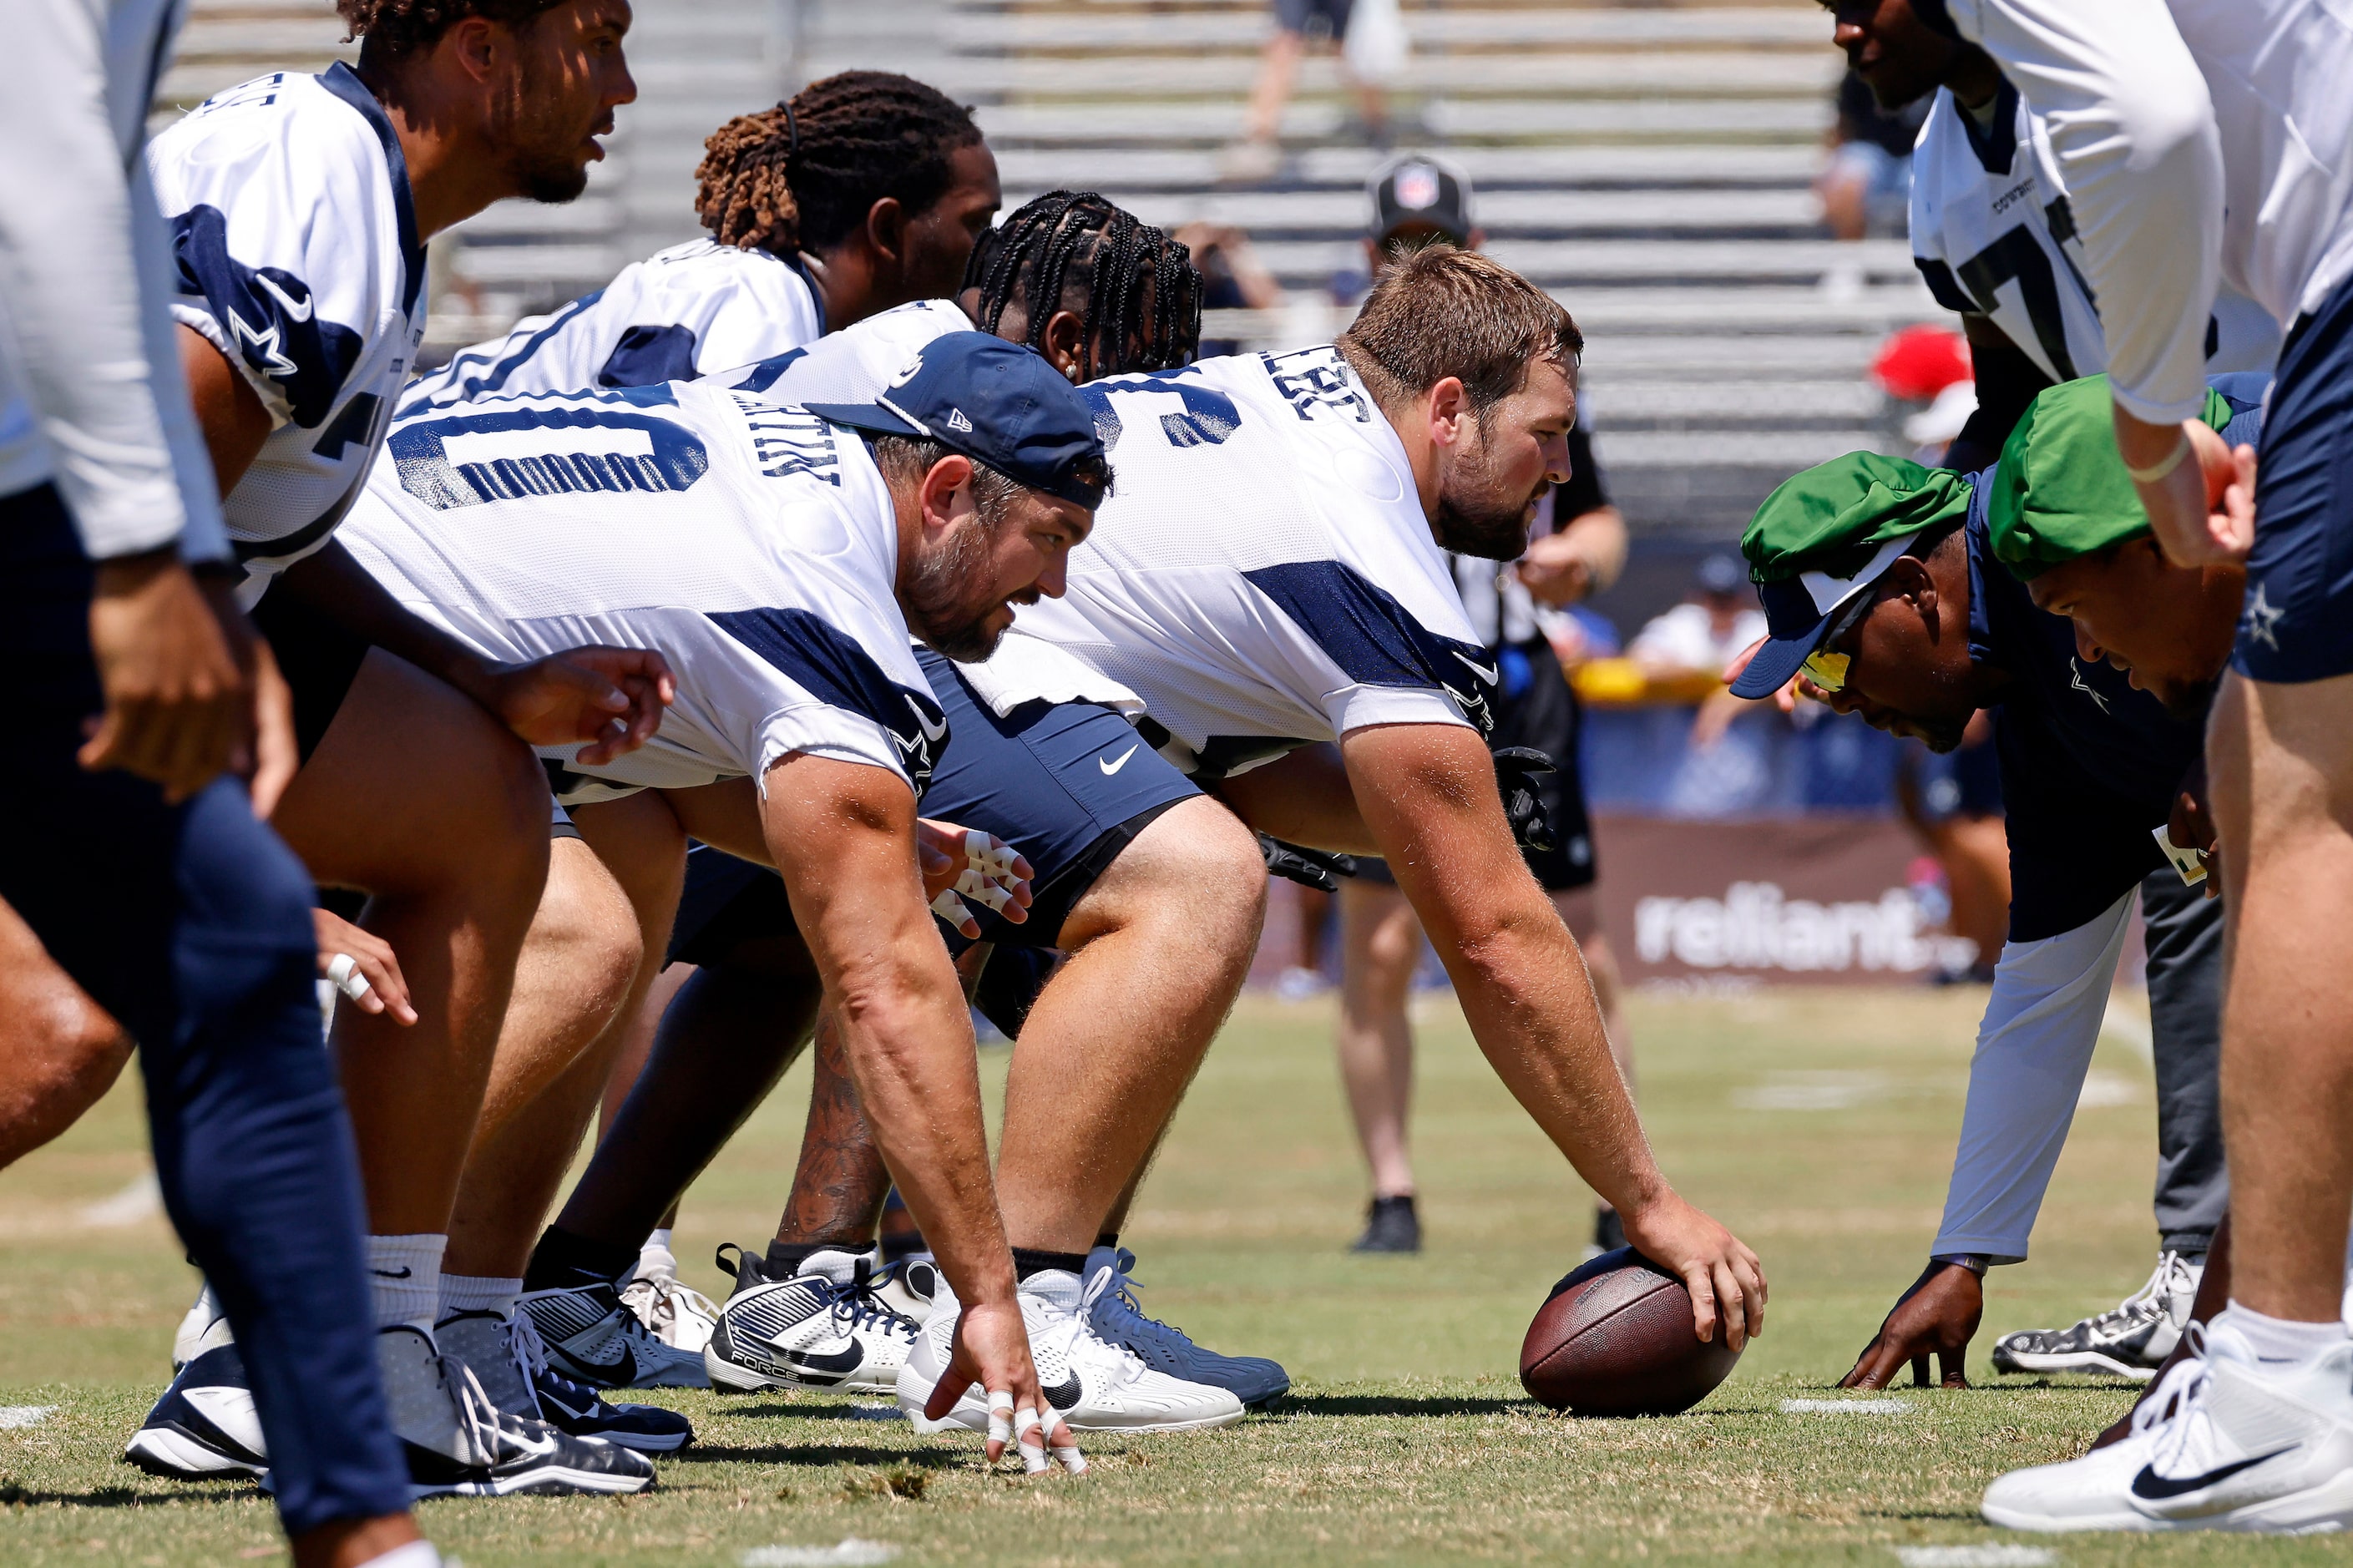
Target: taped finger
343 974
974 885
951 909
1029 1438
1000 1415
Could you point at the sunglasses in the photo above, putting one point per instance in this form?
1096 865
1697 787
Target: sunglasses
1826 669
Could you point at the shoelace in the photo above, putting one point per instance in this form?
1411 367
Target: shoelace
1080 1336
2152 1301
478 1418
1122 1284
858 1304
2168 1422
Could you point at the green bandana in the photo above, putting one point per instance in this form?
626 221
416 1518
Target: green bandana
1834 517
2061 491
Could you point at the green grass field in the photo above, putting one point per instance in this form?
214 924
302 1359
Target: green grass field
1819 1125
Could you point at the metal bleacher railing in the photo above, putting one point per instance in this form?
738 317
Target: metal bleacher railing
1648 164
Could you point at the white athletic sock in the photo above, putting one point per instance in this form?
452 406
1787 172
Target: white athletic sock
478 1293
2282 1339
415 1554
405 1279
659 1239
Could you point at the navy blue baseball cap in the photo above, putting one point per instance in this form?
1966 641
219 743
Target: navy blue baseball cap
1000 403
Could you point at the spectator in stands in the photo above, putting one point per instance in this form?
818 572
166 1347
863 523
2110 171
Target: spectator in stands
1259 154
1232 277
1521 613
1866 183
1716 621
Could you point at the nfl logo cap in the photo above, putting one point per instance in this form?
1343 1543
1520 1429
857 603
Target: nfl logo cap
1817 544
1000 403
1419 191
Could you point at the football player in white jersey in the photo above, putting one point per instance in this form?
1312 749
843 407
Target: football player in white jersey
2204 140
819 216
1992 231
1152 891
299 206
818 562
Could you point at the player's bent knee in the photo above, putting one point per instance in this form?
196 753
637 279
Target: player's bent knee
1203 868
586 923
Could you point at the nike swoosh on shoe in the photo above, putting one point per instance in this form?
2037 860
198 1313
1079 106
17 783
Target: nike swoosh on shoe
2156 1488
826 1361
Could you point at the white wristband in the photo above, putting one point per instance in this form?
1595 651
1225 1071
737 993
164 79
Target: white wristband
2158 470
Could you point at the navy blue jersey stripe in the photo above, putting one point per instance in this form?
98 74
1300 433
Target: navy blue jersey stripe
267 314
1374 639
831 667
344 83
469 388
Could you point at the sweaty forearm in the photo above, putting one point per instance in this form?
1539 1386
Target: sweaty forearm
907 1039
339 587
1530 1003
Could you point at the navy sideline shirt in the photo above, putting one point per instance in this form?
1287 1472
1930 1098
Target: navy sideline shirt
2089 765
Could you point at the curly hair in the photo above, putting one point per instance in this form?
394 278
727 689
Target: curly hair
1138 290
802 175
404 26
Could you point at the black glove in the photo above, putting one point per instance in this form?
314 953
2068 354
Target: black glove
1308 868
1517 769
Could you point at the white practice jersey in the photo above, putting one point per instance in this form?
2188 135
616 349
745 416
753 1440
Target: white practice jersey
2219 148
299 259
857 364
678 315
751 543
1994 236
1263 574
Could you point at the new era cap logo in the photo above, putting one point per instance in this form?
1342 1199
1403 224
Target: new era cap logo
956 421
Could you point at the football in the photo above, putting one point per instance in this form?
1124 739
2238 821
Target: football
1615 1338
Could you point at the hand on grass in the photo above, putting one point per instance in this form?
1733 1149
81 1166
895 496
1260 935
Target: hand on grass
1939 1314
991 1348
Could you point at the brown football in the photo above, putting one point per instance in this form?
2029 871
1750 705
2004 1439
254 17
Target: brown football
1615 1338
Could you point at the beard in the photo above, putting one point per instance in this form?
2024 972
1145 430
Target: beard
543 140
1474 520
1940 736
949 601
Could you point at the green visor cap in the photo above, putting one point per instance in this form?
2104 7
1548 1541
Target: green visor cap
1834 517
2061 491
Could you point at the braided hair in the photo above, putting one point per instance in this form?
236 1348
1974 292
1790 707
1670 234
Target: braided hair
1140 294
802 175
400 27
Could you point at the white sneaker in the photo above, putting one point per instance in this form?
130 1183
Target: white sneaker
205 1427
678 1315
1115 1315
1098 1386
592 1338
459 1444
2240 1444
824 1326
206 1327
908 1285
2130 1339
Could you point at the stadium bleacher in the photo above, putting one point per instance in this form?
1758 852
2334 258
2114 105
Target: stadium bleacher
1650 165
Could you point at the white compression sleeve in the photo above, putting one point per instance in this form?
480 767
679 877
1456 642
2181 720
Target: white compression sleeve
86 282
2033 1049
2132 125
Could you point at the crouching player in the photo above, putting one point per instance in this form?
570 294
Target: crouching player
1885 599
811 560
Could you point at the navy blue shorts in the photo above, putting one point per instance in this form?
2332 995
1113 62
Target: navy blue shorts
1069 785
2297 624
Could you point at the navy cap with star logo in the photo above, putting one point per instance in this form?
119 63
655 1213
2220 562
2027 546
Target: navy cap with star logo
1000 403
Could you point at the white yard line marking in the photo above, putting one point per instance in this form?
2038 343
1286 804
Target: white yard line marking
15 1415
142 1199
1845 1406
1988 1556
849 1552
